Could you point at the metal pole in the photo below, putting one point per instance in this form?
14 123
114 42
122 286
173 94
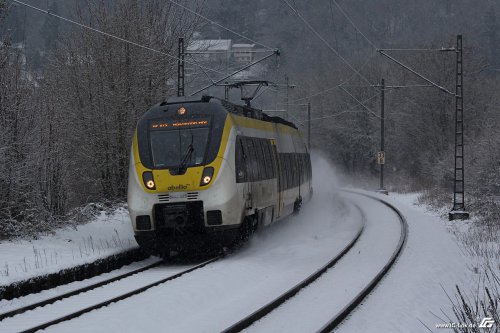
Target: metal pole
309 125
381 154
382 125
458 212
180 68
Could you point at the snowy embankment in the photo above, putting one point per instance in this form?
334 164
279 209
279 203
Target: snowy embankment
68 247
414 295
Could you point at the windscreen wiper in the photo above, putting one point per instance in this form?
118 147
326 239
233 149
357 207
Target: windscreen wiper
187 156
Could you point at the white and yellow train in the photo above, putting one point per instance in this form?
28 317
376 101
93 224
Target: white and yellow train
207 173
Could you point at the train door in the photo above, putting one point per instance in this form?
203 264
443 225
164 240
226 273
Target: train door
277 172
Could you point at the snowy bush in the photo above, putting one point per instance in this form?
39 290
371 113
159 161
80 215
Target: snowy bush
476 305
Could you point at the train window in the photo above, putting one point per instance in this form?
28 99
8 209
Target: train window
282 171
262 159
240 162
252 162
244 147
288 167
269 158
276 171
248 159
258 158
295 170
169 146
255 161
267 164
272 167
299 169
289 171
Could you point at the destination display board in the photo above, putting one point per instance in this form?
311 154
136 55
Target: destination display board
177 123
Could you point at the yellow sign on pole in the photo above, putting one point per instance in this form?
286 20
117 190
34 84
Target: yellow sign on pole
381 157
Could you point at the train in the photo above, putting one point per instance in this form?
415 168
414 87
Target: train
206 173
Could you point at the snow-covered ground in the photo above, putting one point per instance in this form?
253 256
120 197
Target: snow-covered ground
413 294
216 296
68 247
315 305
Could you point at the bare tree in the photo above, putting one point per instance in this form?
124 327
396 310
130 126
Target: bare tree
104 85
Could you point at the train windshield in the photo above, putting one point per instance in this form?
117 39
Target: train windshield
179 147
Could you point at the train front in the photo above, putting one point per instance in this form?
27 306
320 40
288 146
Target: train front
181 190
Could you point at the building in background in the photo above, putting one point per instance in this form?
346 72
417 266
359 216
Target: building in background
242 53
211 50
223 56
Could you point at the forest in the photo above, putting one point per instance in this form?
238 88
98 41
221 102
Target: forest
70 97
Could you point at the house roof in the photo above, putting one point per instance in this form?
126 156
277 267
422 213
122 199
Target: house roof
238 46
210 45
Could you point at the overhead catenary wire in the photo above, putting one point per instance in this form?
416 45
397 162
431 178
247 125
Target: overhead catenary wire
356 72
261 92
443 89
361 103
113 36
235 72
232 51
381 51
220 25
204 71
325 41
349 110
336 86
442 49
392 86
353 24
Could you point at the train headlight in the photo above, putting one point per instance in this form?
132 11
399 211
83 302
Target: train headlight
207 175
147 178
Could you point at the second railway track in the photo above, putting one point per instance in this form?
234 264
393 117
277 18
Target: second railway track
350 306
73 292
17 320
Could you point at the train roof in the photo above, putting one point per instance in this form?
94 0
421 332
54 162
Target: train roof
240 110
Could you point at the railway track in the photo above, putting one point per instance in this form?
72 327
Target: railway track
337 318
74 292
265 311
22 311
